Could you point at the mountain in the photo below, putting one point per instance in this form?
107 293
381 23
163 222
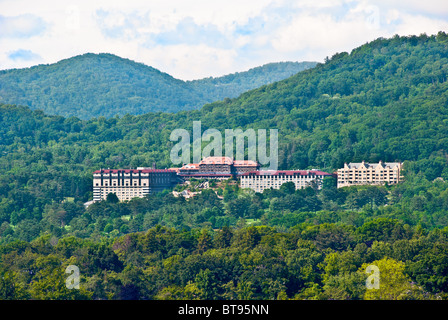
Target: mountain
232 85
93 85
385 100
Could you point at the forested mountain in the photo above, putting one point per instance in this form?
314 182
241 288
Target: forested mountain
93 85
232 85
385 100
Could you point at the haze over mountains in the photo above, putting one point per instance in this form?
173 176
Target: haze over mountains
93 85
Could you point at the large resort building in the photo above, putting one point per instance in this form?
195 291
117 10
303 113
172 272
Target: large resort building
261 180
131 183
363 173
217 168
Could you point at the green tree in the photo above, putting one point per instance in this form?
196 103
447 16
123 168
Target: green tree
205 241
288 187
206 282
49 283
393 281
223 238
11 289
112 198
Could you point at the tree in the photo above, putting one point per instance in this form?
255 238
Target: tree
112 198
244 290
430 268
247 238
49 283
288 187
393 281
381 229
344 286
204 241
206 282
223 238
10 289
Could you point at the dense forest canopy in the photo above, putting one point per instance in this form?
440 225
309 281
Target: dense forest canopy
386 100
93 85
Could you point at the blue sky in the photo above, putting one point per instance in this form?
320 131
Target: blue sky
192 39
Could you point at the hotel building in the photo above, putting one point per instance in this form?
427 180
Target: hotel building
217 168
261 180
131 183
363 173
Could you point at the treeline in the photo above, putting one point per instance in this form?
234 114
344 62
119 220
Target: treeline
326 261
386 100
281 244
417 201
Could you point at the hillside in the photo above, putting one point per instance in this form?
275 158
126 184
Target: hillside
232 85
385 100
93 85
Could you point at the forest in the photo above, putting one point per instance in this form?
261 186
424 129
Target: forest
94 85
284 244
386 100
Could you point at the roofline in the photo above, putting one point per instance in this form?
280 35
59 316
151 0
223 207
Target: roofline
287 172
132 170
206 175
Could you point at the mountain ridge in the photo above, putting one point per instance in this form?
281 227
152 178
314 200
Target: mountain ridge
385 100
92 85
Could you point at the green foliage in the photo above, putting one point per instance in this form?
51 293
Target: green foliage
94 85
252 263
386 100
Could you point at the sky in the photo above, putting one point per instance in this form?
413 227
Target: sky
193 39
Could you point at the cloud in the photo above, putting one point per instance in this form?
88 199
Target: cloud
201 38
119 25
192 61
429 8
24 55
191 33
22 26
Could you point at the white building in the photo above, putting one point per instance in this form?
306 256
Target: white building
261 180
131 183
363 173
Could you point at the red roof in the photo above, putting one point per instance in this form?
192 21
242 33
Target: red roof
206 175
287 173
132 170
245 163
216 160
190 166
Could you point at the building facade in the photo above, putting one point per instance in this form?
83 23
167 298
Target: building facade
217 168
261 180
191 168
131 183
216 165
244 166
363 173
